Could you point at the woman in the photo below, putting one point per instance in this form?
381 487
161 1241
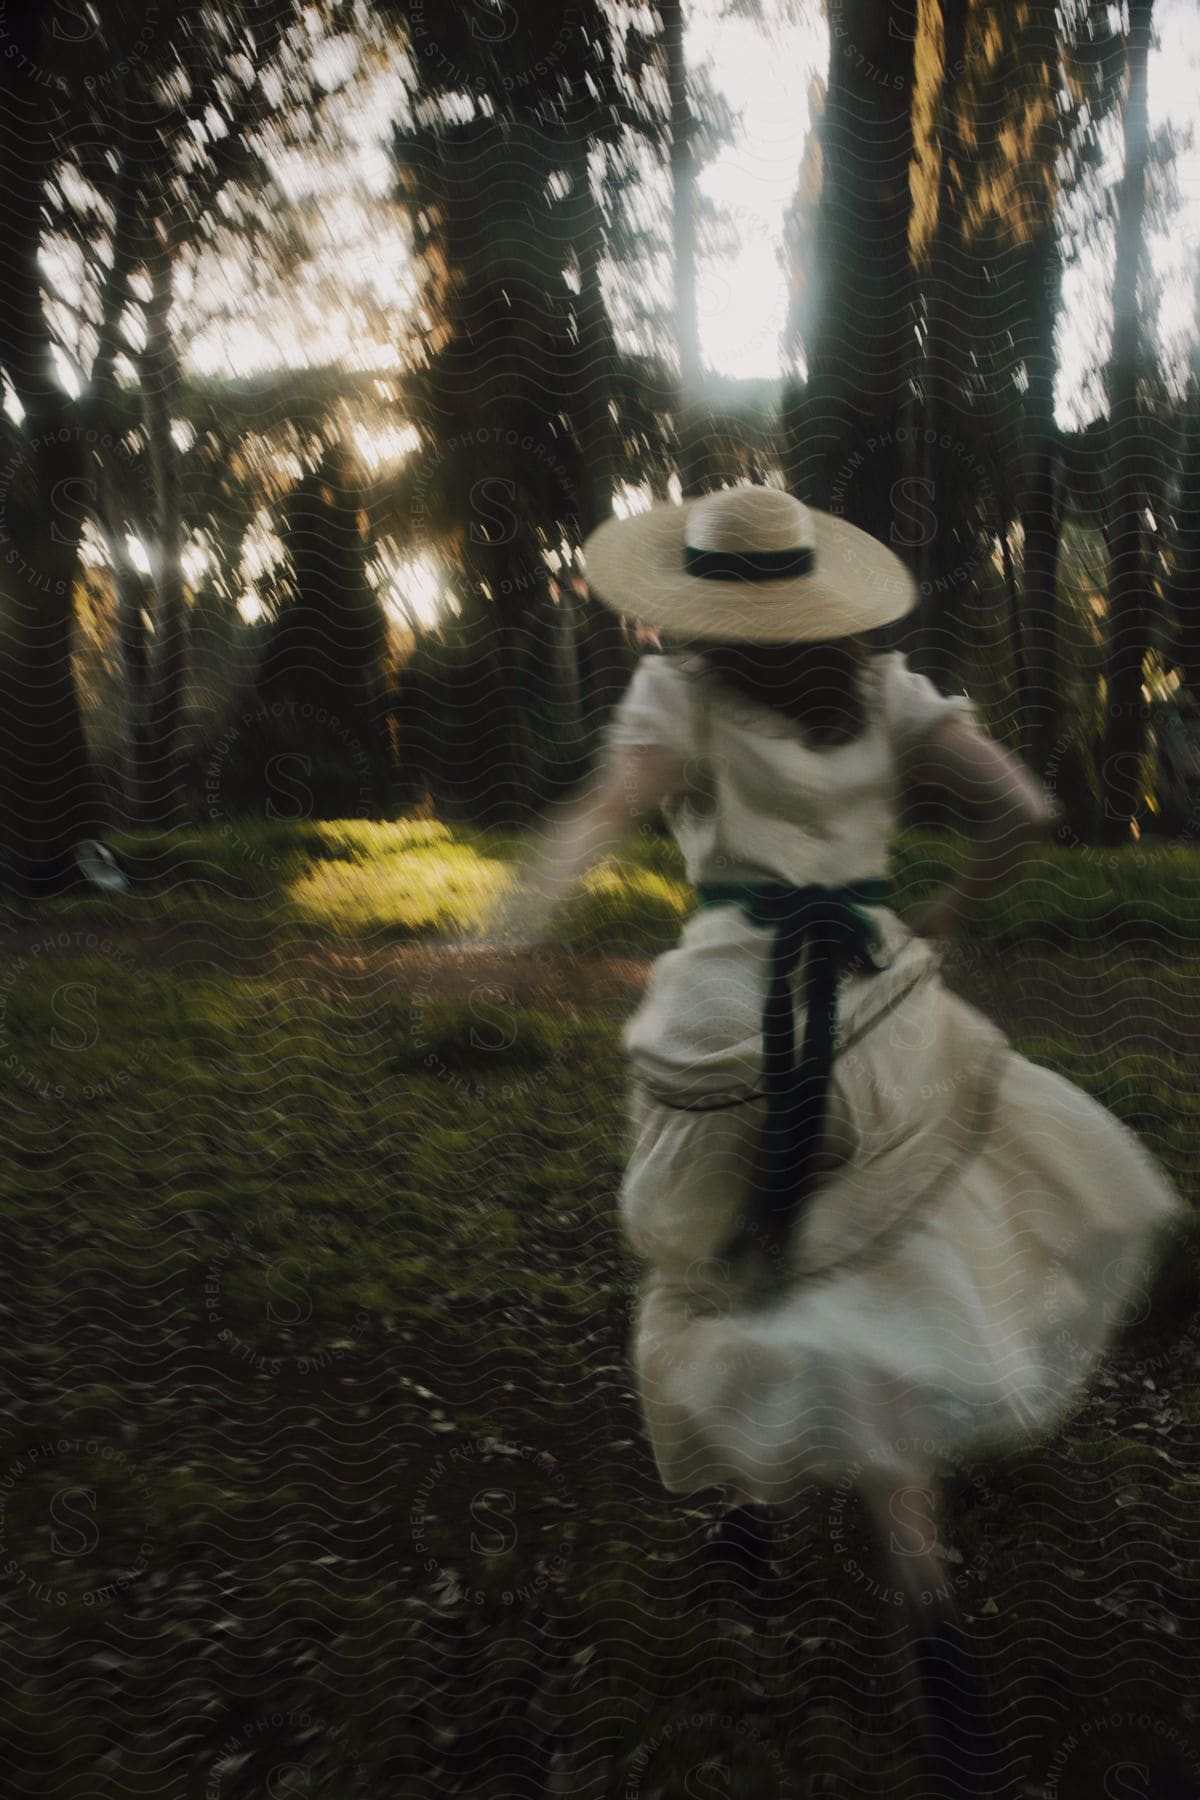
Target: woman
878 1241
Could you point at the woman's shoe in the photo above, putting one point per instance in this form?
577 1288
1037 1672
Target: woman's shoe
961 1752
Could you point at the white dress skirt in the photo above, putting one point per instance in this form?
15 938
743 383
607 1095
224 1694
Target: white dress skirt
954 1280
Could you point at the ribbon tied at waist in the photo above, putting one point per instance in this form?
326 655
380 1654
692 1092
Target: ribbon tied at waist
830 923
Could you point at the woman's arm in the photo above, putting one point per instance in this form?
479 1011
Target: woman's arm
631 783
1001 803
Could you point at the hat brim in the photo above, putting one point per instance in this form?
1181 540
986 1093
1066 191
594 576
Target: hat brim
636 566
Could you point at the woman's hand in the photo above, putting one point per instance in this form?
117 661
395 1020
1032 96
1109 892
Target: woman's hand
520 922
628 785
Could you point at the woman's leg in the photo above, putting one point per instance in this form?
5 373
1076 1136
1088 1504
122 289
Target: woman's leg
959 1748
902 1510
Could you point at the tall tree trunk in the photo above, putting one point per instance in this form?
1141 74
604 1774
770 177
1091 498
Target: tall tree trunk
169 655
690 417
842 447
133 602
560 648
117 511
49 798
605 652
935 652
1016 630
1185 567
1040 508
133 605
1128 610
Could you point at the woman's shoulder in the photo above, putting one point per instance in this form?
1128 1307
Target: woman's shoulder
665 677
911 705
681 665
656 707
676 698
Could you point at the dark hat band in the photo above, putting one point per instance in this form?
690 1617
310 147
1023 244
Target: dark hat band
748 565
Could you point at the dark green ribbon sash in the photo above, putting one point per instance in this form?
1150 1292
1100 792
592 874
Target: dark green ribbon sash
830 921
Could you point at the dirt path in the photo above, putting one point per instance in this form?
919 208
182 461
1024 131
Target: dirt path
442 969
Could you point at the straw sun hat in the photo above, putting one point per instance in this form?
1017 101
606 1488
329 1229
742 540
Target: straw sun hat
747 564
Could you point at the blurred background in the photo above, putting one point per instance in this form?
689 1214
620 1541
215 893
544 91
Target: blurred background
328 332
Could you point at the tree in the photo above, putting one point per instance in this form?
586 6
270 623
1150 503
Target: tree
50 794
222 76
1038 694
1128 602
683 235
325 655
107 111
987 263
858 306
1185 573
518 385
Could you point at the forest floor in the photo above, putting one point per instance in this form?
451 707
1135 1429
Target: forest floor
323 1472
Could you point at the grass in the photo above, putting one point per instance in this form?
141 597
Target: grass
322 1464
412 879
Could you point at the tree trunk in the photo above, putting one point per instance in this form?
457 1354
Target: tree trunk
842 447
597 349
169 657
934 652
1185 567
50 797
1020 674
1128 610
1040 510
690 414
117 512
597 629
133 600
558 647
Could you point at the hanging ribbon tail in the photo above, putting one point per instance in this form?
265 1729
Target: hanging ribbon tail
829 921
815 1072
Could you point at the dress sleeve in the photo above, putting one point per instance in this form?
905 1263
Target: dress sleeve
656 708
913 707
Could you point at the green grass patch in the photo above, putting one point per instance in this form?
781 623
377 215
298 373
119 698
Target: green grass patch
413 879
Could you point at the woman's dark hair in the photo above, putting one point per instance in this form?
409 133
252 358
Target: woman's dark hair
817 686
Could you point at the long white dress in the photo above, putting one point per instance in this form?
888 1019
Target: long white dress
956 1278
